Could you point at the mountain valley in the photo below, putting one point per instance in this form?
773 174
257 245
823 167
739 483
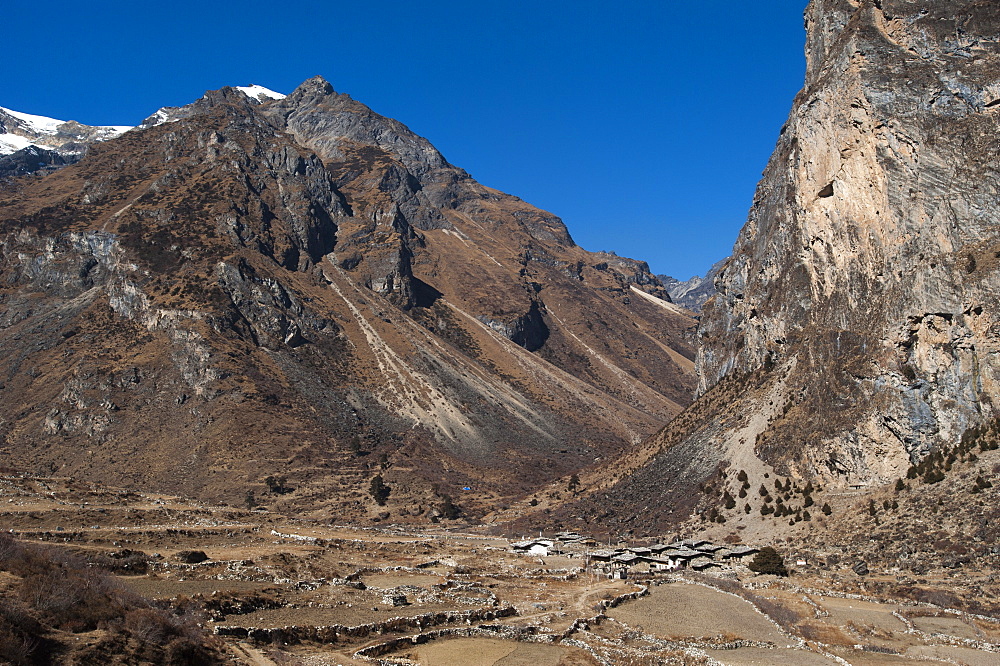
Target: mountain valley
284 332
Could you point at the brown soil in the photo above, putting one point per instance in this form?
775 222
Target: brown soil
155 588
946 626
680 611
348 615
490 652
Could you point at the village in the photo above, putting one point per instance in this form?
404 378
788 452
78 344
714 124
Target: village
629 561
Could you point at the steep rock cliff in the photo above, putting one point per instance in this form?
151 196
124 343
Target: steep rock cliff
869 258
857 324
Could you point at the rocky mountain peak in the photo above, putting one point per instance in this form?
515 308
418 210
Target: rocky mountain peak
313 89
292 284
333 123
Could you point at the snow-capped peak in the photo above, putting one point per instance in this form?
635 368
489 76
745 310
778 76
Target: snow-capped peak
260 93
21 130
40 124
24 129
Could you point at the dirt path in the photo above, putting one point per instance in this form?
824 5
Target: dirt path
583 604
250 656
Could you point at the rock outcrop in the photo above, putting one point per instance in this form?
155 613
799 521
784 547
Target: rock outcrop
31 159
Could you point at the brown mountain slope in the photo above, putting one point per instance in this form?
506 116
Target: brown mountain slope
305 289
855 330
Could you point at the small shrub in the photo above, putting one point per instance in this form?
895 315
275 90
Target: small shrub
58 590
191 556
933 476
448 508
277 485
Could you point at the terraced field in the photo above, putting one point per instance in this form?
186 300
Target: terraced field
280 591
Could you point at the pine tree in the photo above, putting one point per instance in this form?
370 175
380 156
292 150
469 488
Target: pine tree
379 490
768 561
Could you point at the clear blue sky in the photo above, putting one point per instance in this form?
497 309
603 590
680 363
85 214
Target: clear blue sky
644 125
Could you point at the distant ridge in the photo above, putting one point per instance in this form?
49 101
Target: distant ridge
693 292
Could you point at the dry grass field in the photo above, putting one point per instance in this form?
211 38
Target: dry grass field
492 652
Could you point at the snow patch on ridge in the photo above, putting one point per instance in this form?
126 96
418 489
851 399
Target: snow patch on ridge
659 301
253 91
40 124
159 118
11 143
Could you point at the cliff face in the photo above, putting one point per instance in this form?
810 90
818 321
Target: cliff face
867 270
857 324
300 287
